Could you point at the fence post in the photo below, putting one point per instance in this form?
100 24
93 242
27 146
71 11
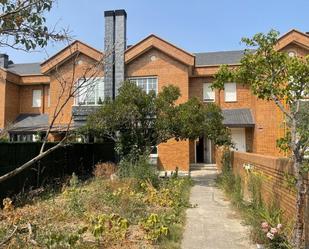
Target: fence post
38 174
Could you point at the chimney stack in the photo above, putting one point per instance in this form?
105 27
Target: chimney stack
4 60
114 47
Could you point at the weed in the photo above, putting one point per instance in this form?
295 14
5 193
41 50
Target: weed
155 227
104 170
74 195
108 228
255 211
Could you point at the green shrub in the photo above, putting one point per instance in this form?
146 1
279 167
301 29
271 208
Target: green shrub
139 169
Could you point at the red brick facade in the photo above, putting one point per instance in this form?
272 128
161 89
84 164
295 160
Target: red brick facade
150 57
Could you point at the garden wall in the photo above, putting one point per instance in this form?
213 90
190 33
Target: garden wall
78 158
275 174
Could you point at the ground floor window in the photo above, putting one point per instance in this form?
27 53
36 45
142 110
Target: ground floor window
26 137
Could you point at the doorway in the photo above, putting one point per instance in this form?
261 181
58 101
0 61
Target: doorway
203 150
239 139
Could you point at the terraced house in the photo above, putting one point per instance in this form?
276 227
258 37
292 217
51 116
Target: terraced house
29 93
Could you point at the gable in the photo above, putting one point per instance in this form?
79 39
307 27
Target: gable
153 41
294 37
67 53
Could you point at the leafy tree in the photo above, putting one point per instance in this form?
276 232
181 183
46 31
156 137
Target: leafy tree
274 76
136 121
23 25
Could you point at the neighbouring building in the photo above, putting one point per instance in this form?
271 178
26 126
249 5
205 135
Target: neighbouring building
31 92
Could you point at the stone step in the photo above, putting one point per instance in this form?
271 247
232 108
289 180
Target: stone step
201 166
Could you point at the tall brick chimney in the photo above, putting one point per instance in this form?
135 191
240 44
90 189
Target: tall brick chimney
114 47
4 60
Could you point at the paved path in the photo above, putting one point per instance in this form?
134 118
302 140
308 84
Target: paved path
213 224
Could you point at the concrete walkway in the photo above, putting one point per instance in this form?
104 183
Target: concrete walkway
213 224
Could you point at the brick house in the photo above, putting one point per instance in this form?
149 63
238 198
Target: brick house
29 93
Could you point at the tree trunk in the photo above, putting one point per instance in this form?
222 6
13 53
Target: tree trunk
300 206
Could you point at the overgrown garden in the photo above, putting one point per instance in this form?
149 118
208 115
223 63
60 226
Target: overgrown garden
100 213
124 205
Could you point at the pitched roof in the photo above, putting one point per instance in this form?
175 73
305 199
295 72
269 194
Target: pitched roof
238 118
218 58
68 52
25 68
293 36
153 41
30 123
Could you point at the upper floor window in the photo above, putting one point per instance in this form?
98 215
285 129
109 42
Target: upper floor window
208 93
146 83
36 98
48 97
230 92
90 91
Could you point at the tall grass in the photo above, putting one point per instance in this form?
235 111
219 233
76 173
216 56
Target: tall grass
254 211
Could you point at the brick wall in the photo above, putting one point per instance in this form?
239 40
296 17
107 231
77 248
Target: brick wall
66 75
268 118
274 187
12 102
269 126
26 97
244 96
169 71
2 100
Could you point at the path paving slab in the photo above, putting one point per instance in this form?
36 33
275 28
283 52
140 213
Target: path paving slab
213 224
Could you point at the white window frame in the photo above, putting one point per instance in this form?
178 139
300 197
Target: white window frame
96 96
207 86
228 98
48 97
147 78
38 101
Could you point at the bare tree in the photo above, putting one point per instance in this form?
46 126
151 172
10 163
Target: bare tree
68 91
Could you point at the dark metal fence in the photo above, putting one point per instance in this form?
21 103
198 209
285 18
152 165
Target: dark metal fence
78 158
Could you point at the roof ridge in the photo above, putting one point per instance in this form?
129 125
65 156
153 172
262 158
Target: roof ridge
26 63
222 51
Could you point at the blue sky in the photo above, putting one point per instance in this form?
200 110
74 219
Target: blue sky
194 25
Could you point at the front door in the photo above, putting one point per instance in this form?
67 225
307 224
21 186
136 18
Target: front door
239 139
199 150
208 151
203 150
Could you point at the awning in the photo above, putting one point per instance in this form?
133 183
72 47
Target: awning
33 123
30 123
238 118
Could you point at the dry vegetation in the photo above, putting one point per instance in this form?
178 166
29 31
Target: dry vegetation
100 213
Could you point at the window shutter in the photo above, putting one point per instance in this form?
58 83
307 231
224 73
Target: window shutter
36 98
208 93
230 93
